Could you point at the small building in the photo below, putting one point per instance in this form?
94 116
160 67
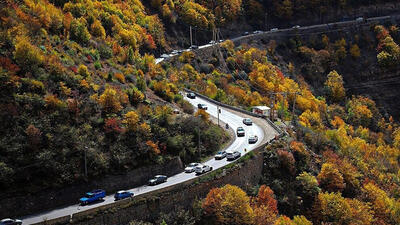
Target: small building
261 110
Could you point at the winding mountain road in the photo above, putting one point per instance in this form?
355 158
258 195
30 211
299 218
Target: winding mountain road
234 119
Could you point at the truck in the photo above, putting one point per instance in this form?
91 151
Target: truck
92 196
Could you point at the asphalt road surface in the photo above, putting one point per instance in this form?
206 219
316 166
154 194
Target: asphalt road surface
239 144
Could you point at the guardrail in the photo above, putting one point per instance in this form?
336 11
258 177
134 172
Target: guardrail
273 125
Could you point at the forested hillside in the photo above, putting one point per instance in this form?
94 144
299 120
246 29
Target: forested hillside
74 79
79 78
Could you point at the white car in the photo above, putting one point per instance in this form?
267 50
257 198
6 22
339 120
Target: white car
233 155
220 155
191 167
164 56
240 132
247 121
9 221
253 139
200 169
211 42
296 27
274 29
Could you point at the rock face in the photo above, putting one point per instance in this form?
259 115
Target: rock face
25 205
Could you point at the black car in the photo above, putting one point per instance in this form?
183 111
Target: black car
202 106
158 180
191 95
9 221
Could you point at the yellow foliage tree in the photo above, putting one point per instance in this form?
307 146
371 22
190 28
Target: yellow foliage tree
229 205
131 120
110 101
334 86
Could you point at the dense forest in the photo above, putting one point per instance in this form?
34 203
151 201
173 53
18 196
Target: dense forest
79 78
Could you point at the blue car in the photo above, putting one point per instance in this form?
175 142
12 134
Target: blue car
123 194
92 196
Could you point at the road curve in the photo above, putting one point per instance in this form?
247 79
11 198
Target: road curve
240 143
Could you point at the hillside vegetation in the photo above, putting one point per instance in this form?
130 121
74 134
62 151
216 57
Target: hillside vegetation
76 77
74 80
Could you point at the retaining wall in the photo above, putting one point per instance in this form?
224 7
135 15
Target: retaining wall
244 173
33 203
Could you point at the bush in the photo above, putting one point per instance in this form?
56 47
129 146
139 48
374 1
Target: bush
187 107
79 31
26 55
83 71
98 30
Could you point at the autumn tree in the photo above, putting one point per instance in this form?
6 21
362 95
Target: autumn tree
228 205
334 86
109 101
79 31
131 120
203 115
265 207
27 55
98 30
330 178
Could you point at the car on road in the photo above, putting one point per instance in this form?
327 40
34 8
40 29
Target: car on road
360 19
257 32
220 155
191 167
123 194
191 95
221 40
202 106
233 155
9 221
174 52
274 29
253 139
180 51
296 27
240 132
246 33
194 47
211 42
164 56
158 180
247 121
92 196
201 168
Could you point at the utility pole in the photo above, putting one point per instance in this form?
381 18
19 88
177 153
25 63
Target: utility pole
218 112
86 148
191 37
266 21
198 128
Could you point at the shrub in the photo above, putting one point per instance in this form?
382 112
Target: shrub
83 71
120 77
355 51
26 55
98 30
79 31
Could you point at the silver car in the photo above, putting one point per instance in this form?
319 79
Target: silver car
200 169
247 121
191 167
220 155
233 155
253 139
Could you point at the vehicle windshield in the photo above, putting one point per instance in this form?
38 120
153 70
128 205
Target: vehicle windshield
192 164
240 129
88 195
220 153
